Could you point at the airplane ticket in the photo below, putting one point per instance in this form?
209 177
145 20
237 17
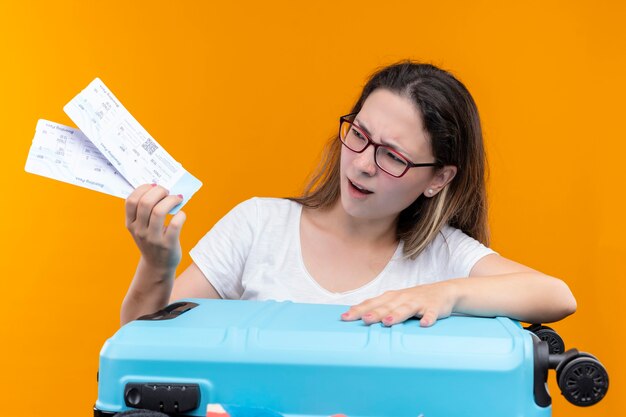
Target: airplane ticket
126 144
65 154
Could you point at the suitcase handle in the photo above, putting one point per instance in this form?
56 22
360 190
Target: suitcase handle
170 312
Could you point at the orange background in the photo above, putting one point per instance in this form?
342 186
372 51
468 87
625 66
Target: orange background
244 96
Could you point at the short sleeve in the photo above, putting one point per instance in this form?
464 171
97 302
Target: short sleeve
464 252
222 253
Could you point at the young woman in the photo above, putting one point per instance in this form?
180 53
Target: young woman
393 223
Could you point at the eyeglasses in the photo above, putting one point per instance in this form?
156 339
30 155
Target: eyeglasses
386 158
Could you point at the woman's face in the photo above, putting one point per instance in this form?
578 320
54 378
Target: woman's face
392 120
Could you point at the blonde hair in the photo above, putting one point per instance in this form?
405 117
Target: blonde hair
450 118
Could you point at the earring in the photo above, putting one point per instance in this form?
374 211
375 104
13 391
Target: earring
430 191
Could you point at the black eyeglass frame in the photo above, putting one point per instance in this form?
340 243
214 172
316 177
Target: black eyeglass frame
349 118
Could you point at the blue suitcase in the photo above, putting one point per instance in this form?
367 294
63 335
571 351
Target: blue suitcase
301 360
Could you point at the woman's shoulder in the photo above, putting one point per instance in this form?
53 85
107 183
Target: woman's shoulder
448 233
451 239
451 254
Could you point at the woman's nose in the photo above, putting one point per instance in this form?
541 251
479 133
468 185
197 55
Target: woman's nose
365 161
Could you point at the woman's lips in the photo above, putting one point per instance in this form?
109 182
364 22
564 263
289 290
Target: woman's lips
358 190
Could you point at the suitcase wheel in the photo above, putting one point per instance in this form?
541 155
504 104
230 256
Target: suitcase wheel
583 380
550 336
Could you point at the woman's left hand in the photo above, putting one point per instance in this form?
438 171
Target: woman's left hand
429 302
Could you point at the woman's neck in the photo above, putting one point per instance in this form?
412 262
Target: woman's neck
361 231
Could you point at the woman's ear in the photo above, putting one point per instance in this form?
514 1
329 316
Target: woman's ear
442 177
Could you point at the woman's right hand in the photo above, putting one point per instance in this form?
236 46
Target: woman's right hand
146 209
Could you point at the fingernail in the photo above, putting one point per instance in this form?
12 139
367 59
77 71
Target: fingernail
368 316
346 314
180 196
388 319
153 184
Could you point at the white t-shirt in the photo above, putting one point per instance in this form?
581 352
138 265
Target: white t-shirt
254 253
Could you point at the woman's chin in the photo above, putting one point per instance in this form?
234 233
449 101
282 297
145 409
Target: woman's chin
358 209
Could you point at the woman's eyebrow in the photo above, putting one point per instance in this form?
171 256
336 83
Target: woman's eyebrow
382 141
362 126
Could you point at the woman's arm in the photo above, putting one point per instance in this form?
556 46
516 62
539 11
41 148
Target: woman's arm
501 287
147 295
148 292
193 284
146 211
153 285
497 287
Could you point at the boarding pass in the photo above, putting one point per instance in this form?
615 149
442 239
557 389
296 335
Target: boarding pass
65 154
119 139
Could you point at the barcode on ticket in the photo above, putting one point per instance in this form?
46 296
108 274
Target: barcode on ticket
150 146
